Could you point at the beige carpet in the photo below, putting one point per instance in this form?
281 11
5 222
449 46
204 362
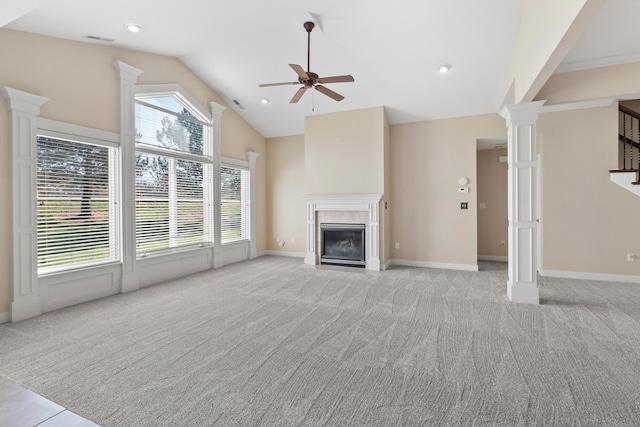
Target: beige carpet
273 342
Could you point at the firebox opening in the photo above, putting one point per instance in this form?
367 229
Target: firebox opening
343 244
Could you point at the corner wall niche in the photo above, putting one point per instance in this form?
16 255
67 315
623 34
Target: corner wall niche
344 209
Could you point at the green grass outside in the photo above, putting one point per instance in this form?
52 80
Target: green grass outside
59 227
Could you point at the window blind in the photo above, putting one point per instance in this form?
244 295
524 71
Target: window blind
234 209
76 211
159 127
169 203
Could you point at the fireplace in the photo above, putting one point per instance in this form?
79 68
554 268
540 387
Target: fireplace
351 209
343 244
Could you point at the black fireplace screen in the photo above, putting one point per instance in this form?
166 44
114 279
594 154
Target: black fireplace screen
343 244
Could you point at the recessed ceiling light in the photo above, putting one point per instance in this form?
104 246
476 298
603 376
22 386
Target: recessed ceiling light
134 28
444 68
264 100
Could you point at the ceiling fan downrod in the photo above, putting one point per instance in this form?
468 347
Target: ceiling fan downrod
309 26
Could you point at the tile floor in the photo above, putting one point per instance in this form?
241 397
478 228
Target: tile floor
20 407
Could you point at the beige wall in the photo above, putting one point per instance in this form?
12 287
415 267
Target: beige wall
604 82
344 152
492 191
82 85
286 207
587 220
427 160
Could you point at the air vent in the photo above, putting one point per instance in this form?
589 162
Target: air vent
100 39
235 101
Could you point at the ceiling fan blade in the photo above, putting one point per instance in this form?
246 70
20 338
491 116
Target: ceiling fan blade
278 84
329 93
336 79
300 71
298 95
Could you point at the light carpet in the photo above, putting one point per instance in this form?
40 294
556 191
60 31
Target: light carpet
273 342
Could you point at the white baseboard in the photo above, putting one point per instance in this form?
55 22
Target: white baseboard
590 276
428 264
282 253
495 258
386 265
4 317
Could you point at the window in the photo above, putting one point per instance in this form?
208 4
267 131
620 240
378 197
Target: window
234 200
76 204
173 175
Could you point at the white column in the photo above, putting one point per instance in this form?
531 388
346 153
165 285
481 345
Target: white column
310 258
216 119
522 285
128 77
251 158
374 227
25 298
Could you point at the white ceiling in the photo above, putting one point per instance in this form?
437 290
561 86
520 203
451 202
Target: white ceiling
393 50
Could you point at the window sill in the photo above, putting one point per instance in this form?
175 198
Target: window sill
166 252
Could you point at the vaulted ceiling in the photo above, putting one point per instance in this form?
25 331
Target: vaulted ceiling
392 49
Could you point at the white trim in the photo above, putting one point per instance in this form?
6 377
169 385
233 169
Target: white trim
581 105
70 131
174 89
386 265
235 163
625 180
590 276
606 61
216 121
127 78
4 317
369 203
251 160
494 258
23 101
25 299
522 202
282 253
429 264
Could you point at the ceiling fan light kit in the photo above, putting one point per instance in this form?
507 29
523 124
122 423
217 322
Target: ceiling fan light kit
310 80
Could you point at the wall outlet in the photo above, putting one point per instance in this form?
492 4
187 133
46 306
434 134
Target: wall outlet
397 245
631 257
502 243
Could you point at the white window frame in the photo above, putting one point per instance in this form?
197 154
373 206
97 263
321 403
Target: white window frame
70 132
207 158
245 199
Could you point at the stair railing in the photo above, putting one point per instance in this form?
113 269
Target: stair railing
629 139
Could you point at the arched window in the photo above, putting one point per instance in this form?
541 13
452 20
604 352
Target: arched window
173 173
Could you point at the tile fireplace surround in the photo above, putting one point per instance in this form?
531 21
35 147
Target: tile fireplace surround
344 209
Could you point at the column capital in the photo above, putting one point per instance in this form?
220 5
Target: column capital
127 72
525 112
23 101
216 109
252 156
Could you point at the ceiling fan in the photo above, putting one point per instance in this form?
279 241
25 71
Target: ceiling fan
311 80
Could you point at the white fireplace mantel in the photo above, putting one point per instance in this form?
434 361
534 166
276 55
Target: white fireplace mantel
345 202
